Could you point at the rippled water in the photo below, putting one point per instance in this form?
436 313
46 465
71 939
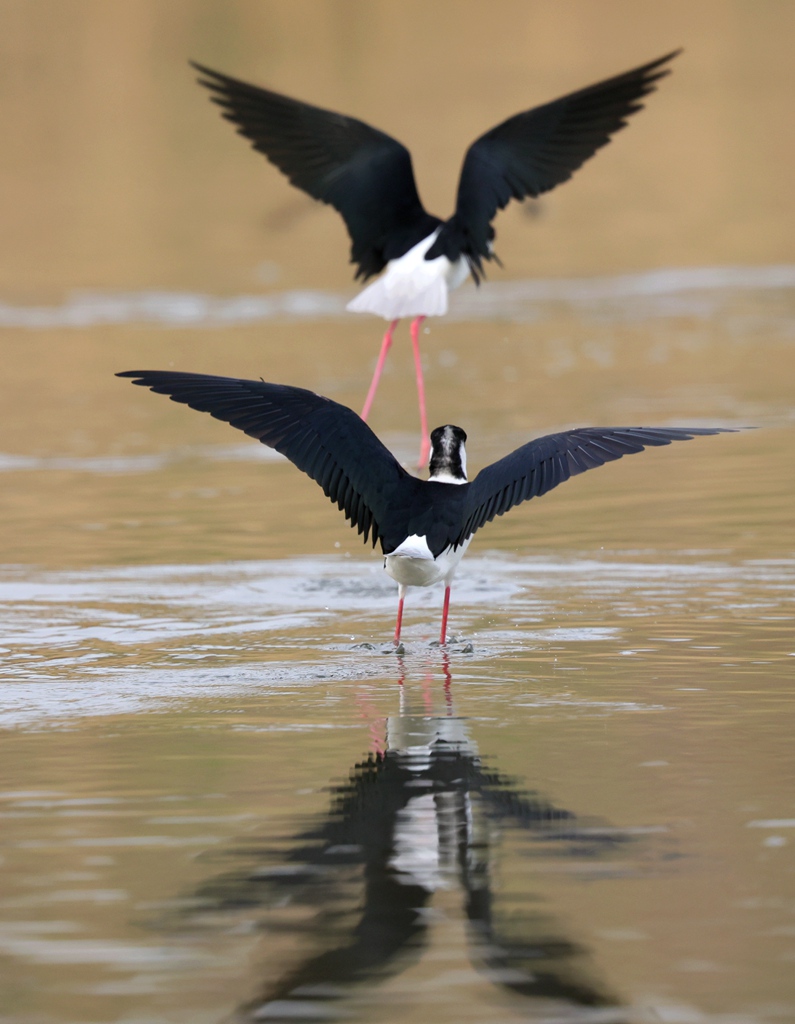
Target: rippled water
223 789
223 794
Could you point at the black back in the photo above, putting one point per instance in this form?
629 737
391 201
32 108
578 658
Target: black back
337 449
363 173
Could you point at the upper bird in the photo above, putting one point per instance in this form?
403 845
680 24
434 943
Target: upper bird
424 526
368 178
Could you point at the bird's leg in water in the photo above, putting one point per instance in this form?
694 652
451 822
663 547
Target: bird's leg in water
445 610
425 443
399 622
386 344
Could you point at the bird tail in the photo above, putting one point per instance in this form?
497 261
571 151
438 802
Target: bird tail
396 297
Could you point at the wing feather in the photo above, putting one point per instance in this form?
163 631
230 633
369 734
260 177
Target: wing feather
365 174
537 467
532 152
324 439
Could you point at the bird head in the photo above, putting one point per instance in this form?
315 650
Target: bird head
448 464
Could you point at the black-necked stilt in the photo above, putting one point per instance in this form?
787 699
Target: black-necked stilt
424 526
367 177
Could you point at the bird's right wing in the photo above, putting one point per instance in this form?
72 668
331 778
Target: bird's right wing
537 467
324 439
362 172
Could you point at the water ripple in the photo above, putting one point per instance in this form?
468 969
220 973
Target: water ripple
112 640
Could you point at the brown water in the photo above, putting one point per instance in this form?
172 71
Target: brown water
223 794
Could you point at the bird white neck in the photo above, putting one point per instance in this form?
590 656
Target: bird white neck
444 477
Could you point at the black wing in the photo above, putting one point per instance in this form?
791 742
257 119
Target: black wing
363 173
536 150
324 439
537 467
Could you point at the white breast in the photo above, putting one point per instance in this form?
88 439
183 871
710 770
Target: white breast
411 285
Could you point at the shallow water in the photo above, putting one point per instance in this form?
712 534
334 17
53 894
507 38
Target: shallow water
596 777
223 794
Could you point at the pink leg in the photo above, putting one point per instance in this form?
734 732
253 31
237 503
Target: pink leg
445 610
386 344
425 444
399 622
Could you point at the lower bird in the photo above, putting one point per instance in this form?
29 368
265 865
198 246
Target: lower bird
424 526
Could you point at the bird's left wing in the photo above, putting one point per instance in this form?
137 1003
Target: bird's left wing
365 174
324 439
536 150
537 467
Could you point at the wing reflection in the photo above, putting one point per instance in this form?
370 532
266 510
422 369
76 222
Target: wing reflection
420 815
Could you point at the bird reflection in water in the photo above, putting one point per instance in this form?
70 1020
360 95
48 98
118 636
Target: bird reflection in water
419 815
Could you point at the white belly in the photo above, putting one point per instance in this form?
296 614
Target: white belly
413 565
411 285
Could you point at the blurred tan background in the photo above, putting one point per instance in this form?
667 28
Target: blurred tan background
116 172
